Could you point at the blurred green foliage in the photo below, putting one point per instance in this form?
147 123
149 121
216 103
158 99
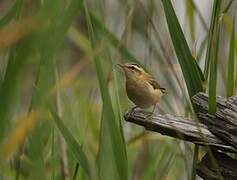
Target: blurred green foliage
63 97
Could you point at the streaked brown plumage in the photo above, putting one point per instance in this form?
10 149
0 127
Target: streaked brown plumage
142 89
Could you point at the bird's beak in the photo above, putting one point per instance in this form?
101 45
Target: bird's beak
121 65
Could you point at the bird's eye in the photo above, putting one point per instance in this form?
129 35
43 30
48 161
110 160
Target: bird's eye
134 69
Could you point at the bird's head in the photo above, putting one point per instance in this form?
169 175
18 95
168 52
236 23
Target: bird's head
131 70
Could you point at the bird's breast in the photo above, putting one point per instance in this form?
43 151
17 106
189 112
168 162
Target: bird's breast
142 93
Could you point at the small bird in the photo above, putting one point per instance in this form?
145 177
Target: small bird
142 89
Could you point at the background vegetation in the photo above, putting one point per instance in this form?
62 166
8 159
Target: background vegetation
63 97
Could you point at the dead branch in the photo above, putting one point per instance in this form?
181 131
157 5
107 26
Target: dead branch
223 165
178 127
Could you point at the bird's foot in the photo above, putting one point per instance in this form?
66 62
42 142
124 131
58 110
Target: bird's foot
132 110
148 117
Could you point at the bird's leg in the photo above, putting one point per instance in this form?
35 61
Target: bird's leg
154 108
150 115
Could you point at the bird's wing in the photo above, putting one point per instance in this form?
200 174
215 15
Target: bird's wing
156 85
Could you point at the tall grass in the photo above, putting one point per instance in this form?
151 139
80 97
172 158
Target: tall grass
83 103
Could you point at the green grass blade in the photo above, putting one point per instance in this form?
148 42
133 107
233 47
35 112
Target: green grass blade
226 9
36 147
50 43
116 138
118 146
106 169
189 68
191 72
199 71
75 171
195 160
17 58
215 13
73 145
231 63
212 83
115 42
61 26
113 39
190 11
213 61
201 50
11 13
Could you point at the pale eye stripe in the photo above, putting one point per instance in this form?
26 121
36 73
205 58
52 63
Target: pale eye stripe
134 66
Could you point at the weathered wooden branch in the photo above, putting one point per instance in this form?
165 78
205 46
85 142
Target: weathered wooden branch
218 131
218 165
224 123
178 127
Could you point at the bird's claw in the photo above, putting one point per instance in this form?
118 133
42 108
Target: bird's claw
148 117
132 110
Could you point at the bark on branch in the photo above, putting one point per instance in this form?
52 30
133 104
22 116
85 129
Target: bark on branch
223 166
178 127
224 123
218 131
